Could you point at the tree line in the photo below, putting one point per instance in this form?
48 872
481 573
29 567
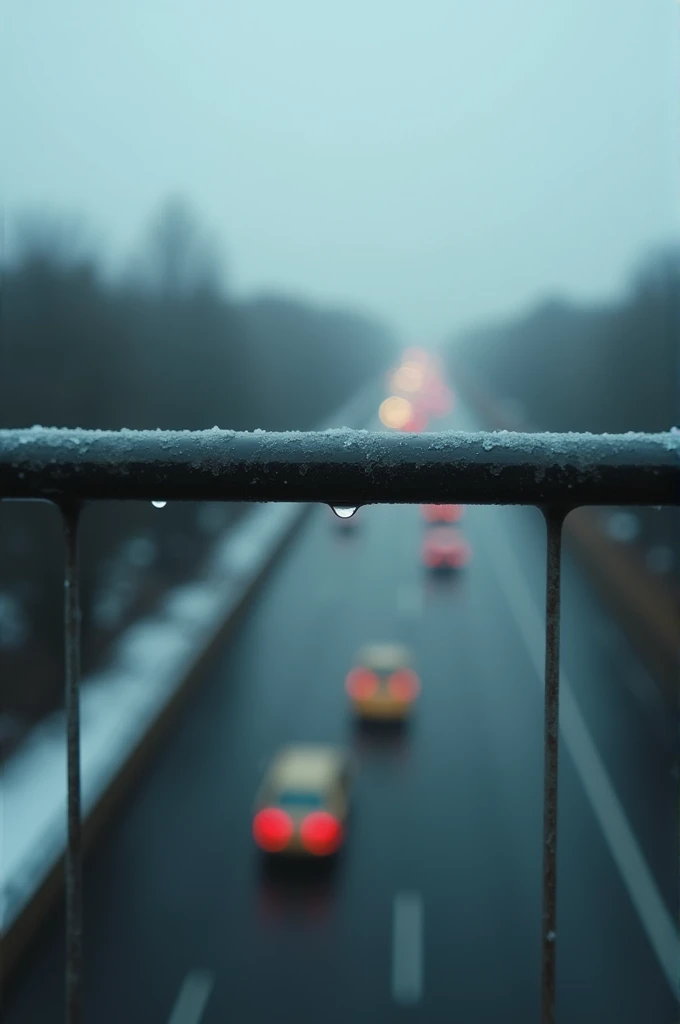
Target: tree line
162 345
612 367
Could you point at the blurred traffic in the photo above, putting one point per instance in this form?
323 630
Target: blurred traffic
301 806
303 802
383 684
396 217
355 791
444 547
417 393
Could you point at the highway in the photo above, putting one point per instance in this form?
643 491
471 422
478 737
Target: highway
432 911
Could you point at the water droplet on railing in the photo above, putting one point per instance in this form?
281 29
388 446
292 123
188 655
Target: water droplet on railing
159 504
344 511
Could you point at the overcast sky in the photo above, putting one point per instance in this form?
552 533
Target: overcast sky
435 161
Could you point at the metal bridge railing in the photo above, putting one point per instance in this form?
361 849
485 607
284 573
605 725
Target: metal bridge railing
343 468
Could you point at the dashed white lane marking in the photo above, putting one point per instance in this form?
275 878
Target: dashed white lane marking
619 836
407 947
410 599
193 998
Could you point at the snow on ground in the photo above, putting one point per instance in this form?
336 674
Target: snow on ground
120 703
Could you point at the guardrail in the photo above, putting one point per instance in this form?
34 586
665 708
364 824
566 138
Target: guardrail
342 467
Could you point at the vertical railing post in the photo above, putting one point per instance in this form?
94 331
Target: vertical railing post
73 864
554 519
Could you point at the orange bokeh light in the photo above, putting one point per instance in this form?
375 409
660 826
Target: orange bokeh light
395 412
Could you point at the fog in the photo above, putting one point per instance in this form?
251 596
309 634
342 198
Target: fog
319 745
438 163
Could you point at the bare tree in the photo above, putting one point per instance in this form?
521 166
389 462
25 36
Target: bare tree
182 258
43 236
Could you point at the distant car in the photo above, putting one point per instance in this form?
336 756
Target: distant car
383 684
301 807
442 513
445 547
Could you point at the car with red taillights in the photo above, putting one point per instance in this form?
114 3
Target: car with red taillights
302 805
383 684
442 513
445 547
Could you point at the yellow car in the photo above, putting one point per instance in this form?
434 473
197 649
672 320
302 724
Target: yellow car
383 684
301 807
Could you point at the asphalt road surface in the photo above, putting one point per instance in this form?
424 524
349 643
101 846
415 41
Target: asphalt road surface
432 911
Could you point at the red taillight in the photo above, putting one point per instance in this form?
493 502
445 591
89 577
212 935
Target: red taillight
404 685
320 833
452 513
272 829
361 683
443 513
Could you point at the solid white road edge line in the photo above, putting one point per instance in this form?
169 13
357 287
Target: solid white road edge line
193 998
407 947
623 846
